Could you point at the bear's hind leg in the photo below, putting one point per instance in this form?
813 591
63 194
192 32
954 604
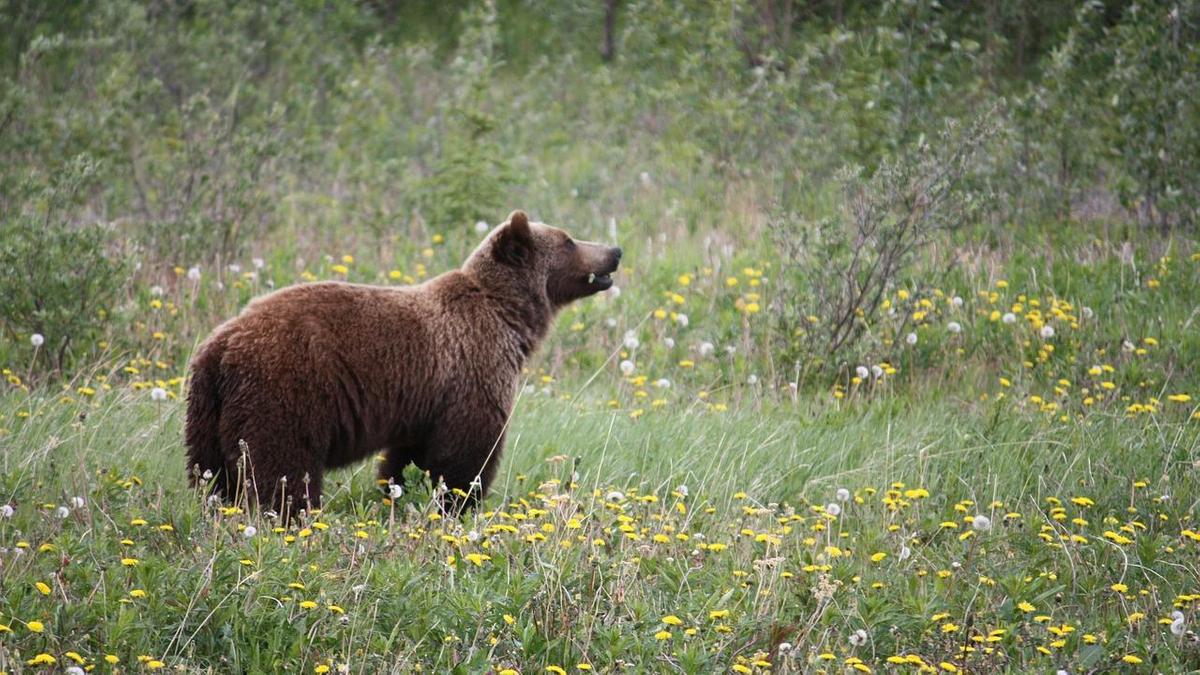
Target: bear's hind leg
275 471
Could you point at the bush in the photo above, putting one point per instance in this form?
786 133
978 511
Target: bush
57 278
835 276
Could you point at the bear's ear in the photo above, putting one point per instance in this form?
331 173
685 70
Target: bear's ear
514 241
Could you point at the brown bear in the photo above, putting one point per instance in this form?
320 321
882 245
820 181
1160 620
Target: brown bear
320 375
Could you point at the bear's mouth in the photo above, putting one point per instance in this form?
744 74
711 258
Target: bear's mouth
602 281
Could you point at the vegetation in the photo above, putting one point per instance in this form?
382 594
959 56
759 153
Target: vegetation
899 376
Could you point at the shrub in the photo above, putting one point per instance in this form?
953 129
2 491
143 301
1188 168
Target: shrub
835 275
57 278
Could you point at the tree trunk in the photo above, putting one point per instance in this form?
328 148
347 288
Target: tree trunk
609 49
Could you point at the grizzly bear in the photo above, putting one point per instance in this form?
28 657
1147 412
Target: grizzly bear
317 376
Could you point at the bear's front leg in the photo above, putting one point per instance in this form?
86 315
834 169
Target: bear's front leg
464 454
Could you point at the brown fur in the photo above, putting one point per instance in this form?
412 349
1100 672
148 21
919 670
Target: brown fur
321 375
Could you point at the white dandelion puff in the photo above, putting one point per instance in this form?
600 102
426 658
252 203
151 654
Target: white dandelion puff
862 372
77 502
37 340
62 512
1178 624
669 342
954 327
682 320
395 491
6 510
249 532
631 340
614 496
1009 318
1047 332
627 367
877 371
481 226
911 338
981 523
193 273
706 348
843 495
158 394
858 638
833 509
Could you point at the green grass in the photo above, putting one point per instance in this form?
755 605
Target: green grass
396 588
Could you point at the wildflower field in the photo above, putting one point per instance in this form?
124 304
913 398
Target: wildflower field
795 437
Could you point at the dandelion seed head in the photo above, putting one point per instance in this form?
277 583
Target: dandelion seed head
6 511
62 512
481 226
863 372
669 342
954 327
1009 318
1047 332
249 532
681 320
981 522
833 509
911 338
37 340
858 637
630 340
706 348
843 495
627 367
158 394
193 273
395 491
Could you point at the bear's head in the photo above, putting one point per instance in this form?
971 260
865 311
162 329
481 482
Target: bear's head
535 257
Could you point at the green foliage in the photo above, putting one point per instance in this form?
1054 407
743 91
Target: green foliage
1152 84
58 278
837 275
472 175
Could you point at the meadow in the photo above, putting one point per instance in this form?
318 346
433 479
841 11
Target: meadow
719 465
